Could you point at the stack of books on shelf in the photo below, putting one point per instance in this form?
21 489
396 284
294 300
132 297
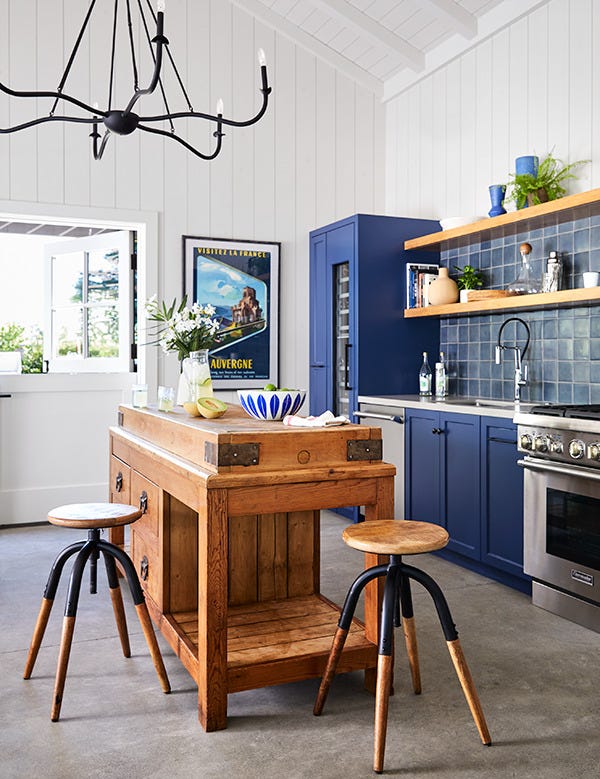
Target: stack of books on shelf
418 278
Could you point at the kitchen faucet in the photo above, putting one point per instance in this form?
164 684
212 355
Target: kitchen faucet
520 369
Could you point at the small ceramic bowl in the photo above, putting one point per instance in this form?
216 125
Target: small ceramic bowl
271 405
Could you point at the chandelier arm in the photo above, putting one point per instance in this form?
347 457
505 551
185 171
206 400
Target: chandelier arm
94 135
45 119
173 65
160 82
112 55
160 41
73 54
217 134
132 47
57 95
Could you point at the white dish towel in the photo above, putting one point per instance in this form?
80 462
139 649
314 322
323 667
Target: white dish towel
326 419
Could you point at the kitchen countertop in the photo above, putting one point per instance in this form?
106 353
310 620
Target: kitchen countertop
485 407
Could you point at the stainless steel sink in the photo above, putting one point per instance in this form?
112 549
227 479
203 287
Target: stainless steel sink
484 402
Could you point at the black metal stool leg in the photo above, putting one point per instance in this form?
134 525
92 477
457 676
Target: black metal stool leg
454 647
385 663
94 564
142 610
342 631
117 602
47 603
69 626
410 633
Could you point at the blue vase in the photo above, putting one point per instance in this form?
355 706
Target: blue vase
497 192
528 164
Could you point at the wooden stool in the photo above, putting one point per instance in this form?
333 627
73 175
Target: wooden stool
396 538
93 517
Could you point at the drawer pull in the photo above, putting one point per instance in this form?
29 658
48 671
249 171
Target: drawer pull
119 482
143 501
144 568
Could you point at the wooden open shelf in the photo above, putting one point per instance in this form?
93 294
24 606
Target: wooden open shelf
566 297
271 642
565 209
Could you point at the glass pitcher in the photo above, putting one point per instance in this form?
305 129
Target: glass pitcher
197 379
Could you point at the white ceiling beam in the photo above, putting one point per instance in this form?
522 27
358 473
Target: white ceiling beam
311 44
461 21
350 16
499 17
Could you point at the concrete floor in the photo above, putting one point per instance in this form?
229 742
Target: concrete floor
538 678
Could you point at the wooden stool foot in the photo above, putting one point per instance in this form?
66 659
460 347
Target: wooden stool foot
146 624
119 611
61 670
410 638
385 665
468 687
38 635
336 650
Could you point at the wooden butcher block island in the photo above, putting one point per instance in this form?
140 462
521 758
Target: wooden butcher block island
228 547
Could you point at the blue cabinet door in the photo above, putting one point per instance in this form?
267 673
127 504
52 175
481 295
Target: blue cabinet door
501 496
319 357
460 468
422 466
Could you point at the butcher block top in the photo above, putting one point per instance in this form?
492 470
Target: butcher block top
236 442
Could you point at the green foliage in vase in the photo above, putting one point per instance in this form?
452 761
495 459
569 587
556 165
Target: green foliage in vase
552 173
470 278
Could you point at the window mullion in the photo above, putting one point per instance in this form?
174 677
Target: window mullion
84 301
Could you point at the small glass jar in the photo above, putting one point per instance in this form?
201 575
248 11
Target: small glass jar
139 395
166 398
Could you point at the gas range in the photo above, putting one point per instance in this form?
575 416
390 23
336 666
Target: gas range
560 432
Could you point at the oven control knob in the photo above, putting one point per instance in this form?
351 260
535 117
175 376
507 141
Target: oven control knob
526 442
556 446
594 451
540 444
576 449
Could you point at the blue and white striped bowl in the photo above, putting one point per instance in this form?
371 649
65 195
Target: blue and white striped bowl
266 405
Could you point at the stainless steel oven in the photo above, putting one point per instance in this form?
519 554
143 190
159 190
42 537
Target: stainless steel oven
562 509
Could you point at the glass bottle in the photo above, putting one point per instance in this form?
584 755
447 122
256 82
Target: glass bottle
553 275
441 380
425 378
525 283
196 379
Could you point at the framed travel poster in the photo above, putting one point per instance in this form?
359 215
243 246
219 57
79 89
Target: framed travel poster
240 279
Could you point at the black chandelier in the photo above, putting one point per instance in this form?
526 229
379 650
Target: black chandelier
125 121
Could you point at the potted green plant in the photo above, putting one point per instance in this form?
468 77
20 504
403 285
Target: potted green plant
526 189
470 278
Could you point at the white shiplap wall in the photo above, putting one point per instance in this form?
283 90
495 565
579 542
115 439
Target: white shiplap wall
531 88
317 156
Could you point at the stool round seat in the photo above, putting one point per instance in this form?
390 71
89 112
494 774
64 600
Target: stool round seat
92 515
395 537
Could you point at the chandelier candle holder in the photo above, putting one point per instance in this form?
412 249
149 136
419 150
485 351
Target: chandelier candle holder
123 121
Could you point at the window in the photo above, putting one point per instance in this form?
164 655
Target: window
88 304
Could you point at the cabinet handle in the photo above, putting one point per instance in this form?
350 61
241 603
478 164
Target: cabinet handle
119 482
373 415
347 348
144 568
437 431
144 501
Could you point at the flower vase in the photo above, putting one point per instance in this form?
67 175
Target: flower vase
443 289
195 381
497 192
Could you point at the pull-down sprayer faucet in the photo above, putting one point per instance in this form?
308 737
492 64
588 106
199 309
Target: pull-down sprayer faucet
520 369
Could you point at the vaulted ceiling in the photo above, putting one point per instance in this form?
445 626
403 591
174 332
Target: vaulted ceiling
387 44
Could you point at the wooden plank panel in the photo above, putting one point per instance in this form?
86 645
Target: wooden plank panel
212 612
303 527
241 141
243 545
182 574
266 226
301 497
272 556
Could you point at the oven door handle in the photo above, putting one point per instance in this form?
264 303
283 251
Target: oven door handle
567 470
373 415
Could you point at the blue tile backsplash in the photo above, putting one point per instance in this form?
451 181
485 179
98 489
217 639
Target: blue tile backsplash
564 353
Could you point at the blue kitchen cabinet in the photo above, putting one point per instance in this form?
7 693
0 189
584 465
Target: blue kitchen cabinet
442 475
360 342
501 497
461 472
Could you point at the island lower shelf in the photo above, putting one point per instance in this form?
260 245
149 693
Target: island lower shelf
273 642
